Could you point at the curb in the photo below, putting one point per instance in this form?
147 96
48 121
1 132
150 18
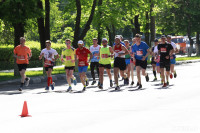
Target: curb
40 79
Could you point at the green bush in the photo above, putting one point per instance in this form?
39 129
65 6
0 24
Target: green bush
7 59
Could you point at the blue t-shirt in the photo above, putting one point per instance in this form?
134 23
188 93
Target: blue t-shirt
120 42
94 51
140 50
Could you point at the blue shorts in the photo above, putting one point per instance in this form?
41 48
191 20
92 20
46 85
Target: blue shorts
157 63
82 69
173 61
127 61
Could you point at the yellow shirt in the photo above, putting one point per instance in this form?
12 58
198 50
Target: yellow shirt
68 57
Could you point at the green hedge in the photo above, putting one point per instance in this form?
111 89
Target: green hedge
7 59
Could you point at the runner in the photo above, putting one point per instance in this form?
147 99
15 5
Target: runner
132 62
105 62
68 57
157 57
127 59
49 60
22 54
140 54
82 57
165 50
153 62
94 49
173 57
119 62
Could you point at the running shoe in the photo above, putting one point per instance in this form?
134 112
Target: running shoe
86 82
100 86
75 82
84 89
117 88
139 87
154 79
171 76
132 83
27 80
147 78
69 89
52 86
175 75
93 82
127 81
20 88
164 85
111 83
47 88
98 83
137 84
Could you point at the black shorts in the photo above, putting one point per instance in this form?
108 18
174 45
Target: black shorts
22 66
142 64
165 64
69 68
46 68
107 66
152 61
120 63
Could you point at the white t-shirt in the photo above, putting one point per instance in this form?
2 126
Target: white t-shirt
49 54
155 50
94 51
173 45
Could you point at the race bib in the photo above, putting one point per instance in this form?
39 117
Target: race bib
163 50
47 63
104 56
68 58
22 57
82 63
139 53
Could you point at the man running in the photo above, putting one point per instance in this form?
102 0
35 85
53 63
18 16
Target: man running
153 62
132 63
165 50
22 54
82 57
140 54
106 52
68 57
127 59
119 62
94 49
49 61
172 58
156 56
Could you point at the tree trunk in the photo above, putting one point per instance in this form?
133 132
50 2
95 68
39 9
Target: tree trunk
152 25
41 28
110 35
47 20
18 32
191 41
137 24
100 32
87 25
147 29
77 25
197 44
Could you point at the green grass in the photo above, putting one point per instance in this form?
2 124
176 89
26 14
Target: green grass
9 75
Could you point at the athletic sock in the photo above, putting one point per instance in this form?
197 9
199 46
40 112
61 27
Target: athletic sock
48 81
51 81
154 73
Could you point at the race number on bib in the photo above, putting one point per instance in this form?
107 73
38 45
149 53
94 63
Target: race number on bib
104 56
163 50
22 57
68 58
82 63
47 63
140 53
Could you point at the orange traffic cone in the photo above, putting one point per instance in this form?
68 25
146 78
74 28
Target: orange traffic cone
25 110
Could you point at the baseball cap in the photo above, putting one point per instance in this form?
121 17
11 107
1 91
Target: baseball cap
104 39
169 36
80 42
138 35
156 40
163 36
117 37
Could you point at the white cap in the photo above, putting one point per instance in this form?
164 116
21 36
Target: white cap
117 37
80 42
104 39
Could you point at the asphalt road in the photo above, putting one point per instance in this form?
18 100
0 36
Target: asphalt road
152 109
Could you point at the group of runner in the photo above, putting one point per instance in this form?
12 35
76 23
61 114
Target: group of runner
126 58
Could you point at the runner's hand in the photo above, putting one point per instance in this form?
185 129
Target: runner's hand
143 58
167 57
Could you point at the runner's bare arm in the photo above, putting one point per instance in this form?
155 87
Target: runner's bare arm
29 56
111 51
144 57
41 55
91 56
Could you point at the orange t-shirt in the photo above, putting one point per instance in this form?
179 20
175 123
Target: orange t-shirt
23 53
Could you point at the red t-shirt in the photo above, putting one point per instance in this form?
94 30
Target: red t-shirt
82 56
